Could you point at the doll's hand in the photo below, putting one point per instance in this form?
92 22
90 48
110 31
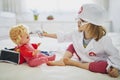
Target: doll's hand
39 44
35 52
17 49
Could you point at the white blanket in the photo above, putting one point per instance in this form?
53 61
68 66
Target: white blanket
9 71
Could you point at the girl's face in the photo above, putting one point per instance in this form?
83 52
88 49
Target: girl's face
25 38
85 27
81 25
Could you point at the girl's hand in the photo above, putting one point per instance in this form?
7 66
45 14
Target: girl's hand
113 72
44 33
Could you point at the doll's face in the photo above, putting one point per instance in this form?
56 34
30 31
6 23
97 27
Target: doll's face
25 38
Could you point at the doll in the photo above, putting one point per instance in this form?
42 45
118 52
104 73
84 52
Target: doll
20 36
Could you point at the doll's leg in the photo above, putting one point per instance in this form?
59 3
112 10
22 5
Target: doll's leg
37 61
51 58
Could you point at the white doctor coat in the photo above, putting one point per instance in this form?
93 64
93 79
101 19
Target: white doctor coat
103 49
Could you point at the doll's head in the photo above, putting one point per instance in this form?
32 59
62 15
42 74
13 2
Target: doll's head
19 34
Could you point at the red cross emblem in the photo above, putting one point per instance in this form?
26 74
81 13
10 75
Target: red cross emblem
81 9
92 54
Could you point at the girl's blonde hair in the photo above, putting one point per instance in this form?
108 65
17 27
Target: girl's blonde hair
16 32
97 32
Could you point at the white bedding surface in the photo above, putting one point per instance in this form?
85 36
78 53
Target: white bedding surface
10 71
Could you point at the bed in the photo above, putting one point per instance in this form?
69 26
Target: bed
10 71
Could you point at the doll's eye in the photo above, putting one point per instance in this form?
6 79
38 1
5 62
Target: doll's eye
27 37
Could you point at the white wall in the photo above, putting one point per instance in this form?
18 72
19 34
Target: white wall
114 10
12 5
113 6
0 5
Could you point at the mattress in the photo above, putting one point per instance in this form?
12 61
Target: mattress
10 71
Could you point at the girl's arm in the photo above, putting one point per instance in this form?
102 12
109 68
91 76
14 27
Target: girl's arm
49 35
60 36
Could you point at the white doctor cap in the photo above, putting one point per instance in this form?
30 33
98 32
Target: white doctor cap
93 13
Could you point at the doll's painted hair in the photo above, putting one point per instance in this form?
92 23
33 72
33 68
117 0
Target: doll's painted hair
16 32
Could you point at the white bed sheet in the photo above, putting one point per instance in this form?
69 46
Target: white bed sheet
10 71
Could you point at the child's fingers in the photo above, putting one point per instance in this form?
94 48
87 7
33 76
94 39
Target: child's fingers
44 33
113 72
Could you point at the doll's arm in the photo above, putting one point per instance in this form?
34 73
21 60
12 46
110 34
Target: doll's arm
27 52
35 52
36 45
